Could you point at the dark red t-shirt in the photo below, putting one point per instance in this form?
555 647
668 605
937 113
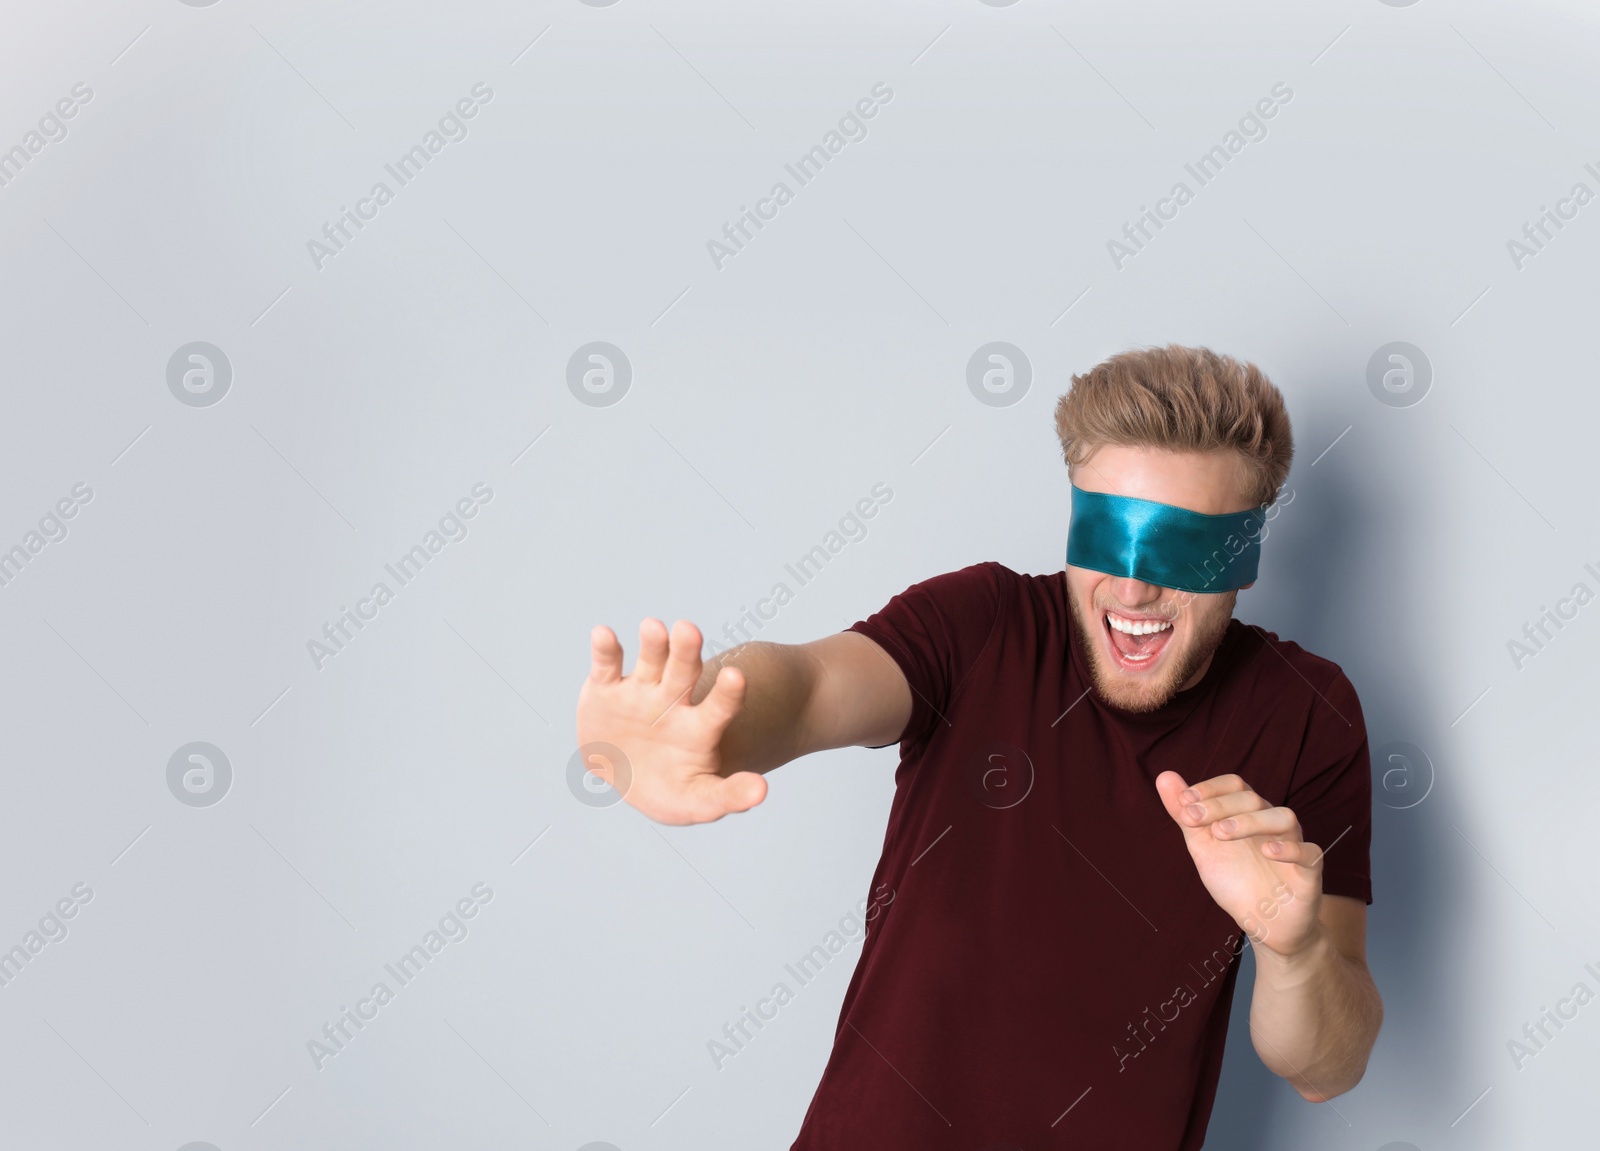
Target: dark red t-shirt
1050 971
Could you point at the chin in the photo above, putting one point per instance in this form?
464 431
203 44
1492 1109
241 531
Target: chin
1135 691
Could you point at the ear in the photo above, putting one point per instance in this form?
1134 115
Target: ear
1248 586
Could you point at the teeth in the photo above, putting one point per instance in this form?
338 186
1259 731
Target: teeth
1136 627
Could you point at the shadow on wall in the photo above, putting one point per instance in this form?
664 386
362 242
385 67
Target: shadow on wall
1335 586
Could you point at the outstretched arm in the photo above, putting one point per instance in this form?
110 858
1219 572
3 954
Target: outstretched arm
695 738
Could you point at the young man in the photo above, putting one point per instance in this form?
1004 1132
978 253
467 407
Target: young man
1106 786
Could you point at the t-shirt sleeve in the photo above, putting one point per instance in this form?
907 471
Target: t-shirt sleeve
1331 790
935 631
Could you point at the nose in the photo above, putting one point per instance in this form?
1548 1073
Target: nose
1134 593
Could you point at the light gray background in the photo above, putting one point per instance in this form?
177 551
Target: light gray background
767 397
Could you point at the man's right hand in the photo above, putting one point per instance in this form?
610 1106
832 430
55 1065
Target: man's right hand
672 768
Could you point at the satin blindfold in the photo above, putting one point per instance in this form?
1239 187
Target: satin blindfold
1164 545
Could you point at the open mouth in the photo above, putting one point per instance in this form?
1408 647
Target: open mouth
1136 643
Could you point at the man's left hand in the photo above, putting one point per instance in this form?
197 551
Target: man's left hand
1251 857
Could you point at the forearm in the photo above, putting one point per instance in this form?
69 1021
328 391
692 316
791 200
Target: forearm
768 731
1314 1017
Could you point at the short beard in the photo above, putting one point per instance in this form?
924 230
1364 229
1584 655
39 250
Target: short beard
1157 694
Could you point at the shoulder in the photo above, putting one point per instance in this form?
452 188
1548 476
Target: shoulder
965 603
1270 653
1281 668
988 579
1015 601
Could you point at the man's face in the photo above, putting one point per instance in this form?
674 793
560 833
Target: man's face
1181 630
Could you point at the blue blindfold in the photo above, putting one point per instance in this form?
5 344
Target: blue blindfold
1164 545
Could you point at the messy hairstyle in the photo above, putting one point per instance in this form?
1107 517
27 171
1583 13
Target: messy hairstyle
1180 399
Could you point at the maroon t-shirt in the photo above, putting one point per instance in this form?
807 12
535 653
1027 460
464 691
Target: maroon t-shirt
1050 971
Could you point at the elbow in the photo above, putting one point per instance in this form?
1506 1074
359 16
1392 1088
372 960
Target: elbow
1313 1095
1327 1089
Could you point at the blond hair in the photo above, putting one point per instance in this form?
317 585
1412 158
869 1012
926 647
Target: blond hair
1180 399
